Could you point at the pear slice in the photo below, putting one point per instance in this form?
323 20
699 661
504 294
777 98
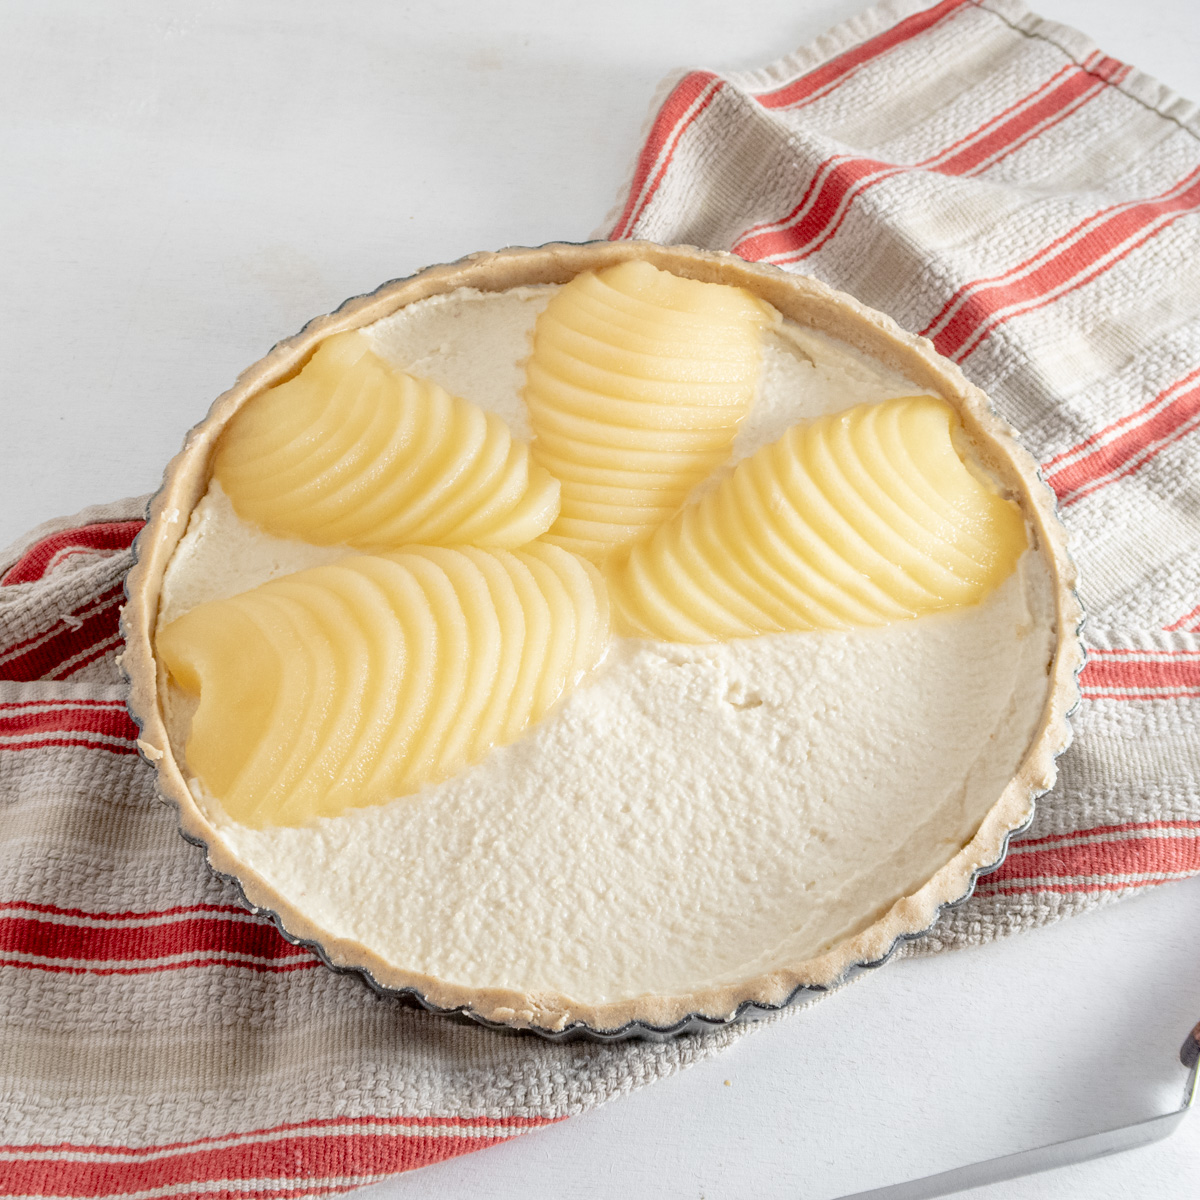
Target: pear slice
357 682
352 452
861 518
635 389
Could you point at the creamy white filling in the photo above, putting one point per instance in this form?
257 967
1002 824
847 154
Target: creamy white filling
694 814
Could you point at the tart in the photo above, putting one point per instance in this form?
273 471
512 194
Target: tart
710 759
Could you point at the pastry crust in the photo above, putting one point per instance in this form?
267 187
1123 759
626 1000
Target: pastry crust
806 301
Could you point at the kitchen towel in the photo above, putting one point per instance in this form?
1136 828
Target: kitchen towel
995 183
989 179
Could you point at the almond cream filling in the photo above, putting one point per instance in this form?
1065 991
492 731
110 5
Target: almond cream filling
693 815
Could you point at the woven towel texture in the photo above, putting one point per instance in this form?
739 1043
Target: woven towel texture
995 183
155 1037
987 178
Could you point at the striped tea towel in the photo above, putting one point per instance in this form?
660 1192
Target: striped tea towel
996 184
989 179
158 1040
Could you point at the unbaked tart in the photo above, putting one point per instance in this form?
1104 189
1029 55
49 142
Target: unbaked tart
609 638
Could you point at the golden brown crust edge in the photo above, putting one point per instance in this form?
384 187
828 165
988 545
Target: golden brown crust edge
801 298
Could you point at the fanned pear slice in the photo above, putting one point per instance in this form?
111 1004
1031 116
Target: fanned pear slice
353 452
861 518
635 389
355 683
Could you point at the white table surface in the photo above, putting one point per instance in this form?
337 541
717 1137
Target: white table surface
184 183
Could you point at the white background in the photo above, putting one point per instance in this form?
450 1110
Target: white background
182 184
